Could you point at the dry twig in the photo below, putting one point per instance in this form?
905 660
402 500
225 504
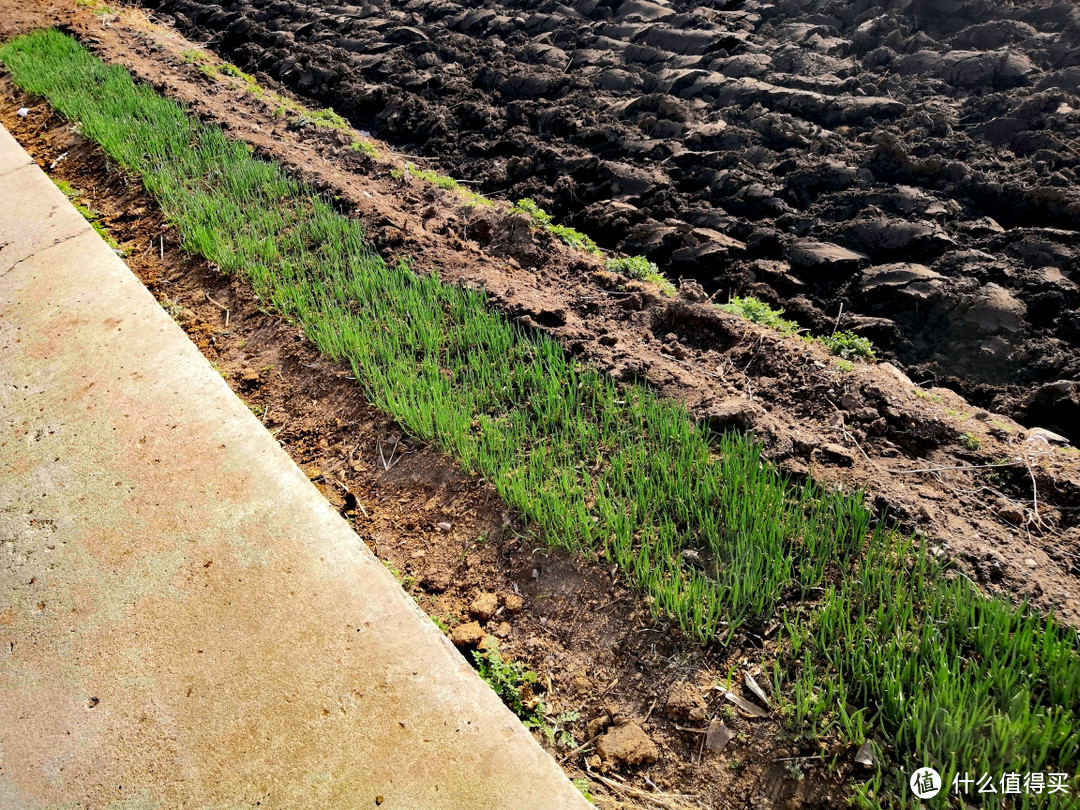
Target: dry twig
222 307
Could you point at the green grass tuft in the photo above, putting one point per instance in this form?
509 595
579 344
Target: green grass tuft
542 219
845 345
848 345
441 181
759 312
642 269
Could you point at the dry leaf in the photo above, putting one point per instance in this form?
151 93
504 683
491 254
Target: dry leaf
752 685
865 756
718 736
745 705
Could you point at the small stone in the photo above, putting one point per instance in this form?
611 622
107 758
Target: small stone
850 402
23 112
692 291
1011 513
581 685
467 635
718 736
627 745
733 413
1030 562
444 526
837 454
512 602
483 607
1043 435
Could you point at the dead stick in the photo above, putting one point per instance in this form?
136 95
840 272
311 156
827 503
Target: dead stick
580 748
219 306
691 730
651 798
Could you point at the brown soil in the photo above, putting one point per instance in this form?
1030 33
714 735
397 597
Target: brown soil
590 640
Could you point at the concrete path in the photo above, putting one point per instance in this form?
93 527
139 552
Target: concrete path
184 620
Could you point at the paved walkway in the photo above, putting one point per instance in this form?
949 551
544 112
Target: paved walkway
184 620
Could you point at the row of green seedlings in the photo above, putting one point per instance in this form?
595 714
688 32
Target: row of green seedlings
283 106
846 345
717 538
635 267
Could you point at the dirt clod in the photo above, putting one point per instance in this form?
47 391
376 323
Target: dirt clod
627 745
483 607
512 602
597 725
469 634
685 705
435 580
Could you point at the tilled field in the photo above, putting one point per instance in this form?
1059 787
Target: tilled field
910 164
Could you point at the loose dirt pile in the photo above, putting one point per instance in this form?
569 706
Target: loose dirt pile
913 163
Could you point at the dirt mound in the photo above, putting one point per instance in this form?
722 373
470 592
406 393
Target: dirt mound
721 139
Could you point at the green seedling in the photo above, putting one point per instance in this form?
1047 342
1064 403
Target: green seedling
848 345
541 219
513 682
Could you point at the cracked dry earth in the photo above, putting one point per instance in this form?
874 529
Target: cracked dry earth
918 451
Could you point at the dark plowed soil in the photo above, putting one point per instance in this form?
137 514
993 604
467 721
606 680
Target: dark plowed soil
914 163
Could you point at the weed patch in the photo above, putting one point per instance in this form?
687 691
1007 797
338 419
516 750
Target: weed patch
441 181
845 345
513 682
640 268
759 312
542 220
848 345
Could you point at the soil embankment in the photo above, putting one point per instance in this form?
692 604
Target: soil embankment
911 164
